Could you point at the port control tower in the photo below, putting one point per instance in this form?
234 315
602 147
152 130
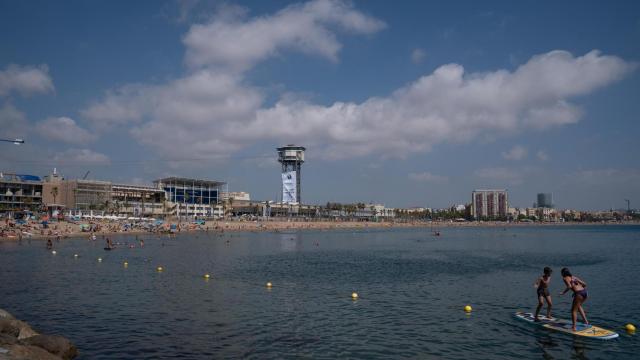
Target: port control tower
291 157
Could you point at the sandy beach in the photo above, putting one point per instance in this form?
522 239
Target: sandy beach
10 231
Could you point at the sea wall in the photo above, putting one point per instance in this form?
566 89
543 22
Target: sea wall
18 341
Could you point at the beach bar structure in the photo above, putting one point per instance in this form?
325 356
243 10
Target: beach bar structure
192 197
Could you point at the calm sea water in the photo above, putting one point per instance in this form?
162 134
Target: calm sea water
412 288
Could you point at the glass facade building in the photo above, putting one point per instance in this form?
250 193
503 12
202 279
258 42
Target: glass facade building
191 197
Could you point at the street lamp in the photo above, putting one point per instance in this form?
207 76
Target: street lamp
15 141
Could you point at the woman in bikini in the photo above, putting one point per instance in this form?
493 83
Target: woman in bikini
579 295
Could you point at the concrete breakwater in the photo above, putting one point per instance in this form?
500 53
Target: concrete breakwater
18 341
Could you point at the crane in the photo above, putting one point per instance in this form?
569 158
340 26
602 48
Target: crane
85 175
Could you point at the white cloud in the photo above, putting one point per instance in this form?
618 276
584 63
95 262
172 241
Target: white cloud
25 80
64 129
447 106
231 42
418 55
427 177
213 111
500 176
542 155
194 112
12 122
81 156
517 152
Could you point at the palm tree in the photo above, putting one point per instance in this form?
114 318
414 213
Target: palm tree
54 193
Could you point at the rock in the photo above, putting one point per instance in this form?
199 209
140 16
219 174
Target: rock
5 315
16 328
26 352
7 340
54 344
8 327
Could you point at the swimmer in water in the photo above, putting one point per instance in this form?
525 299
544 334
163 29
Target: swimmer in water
542 286
579 289
49 244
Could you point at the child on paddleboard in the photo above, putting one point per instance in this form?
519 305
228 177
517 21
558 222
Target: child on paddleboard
542 286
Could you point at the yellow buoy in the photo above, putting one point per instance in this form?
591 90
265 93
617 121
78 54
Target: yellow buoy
630 328
159 268
125 264
75 255
54 252
467 308
354 295
269 284
207 276
99 259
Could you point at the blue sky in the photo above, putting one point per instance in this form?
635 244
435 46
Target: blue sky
401 103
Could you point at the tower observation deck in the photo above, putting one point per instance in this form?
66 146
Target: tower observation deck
291 157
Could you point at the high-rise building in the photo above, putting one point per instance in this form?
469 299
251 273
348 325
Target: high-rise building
490 204
545 200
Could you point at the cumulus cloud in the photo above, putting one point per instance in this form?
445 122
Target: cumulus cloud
12 122
195 111
64 129
232 42
427 177
517 152
418 55
448 105
81 156
25 80
213 110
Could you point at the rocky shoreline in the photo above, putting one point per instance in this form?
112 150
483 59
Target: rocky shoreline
18 341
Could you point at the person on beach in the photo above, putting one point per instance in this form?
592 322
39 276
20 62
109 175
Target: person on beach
542 286
579 289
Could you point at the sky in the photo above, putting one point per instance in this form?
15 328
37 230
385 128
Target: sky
407 103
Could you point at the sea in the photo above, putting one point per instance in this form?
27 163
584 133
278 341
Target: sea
412 288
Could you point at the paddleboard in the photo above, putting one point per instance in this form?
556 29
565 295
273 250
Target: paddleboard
561 325
108 249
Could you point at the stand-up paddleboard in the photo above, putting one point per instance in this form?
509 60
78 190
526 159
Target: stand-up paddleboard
586 330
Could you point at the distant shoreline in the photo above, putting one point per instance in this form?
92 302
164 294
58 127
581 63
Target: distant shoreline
67 230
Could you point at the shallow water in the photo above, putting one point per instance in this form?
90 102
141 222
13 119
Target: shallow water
412 288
